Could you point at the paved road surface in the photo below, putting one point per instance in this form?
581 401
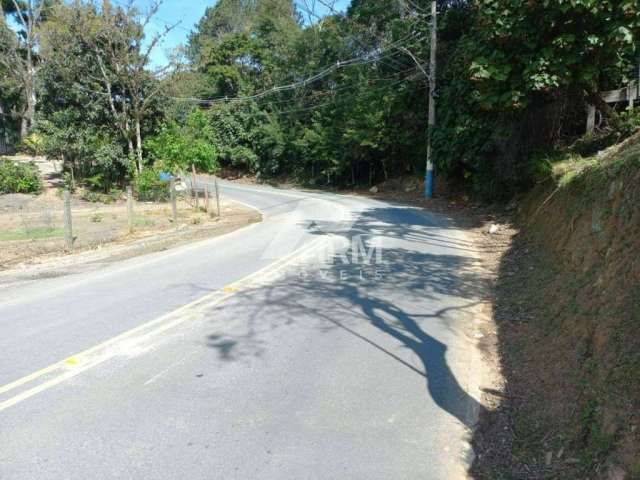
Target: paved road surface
333 340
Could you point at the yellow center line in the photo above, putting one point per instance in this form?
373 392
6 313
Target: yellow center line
89 358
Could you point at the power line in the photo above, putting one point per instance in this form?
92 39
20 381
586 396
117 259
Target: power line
360 60
343 16
392 80
324 92
83 89
352 22
333 102
319 75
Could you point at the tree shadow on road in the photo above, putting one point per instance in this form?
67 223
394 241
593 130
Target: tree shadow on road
428 283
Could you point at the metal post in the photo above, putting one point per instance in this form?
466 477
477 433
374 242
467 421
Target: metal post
206 198
174 204
217 197
130 208
68 228
428 179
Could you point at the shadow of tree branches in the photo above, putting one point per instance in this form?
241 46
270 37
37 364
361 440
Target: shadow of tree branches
427 282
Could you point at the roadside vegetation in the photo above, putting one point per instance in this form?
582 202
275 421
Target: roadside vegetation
567 314
278 89
19 177
514 76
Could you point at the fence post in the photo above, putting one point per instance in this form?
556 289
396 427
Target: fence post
130 208
68 228
174 205
195 187
217 197
206 198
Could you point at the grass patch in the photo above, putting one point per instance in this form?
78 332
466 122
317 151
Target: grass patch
571 166
31 234
143 222
99 197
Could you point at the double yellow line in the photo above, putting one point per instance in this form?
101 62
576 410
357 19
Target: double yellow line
72 366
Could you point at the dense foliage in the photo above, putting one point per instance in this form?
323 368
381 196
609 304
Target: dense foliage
19 177
178 146
513 76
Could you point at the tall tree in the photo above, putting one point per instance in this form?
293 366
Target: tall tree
120 43
20 51
112 61
244 45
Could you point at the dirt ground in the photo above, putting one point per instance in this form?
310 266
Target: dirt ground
32 227
567 311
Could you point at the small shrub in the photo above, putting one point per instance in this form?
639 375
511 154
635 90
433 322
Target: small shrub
177 147
33 144
18 177
99 197
150 188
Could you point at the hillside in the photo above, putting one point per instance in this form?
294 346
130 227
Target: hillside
568 328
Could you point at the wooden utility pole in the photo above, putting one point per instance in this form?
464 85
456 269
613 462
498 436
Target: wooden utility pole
428 179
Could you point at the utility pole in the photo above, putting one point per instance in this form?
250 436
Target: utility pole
428 179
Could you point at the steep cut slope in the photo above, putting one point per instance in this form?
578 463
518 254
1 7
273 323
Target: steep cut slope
568 316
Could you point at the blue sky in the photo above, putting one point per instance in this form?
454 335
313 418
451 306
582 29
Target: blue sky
188 13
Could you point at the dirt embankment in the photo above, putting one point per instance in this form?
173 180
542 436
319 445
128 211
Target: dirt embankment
567 309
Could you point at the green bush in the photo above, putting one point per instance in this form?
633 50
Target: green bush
33 144
95 153
150 188
98 197
178 147
19 177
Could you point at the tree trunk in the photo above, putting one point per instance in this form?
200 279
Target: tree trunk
138 146
127 133
24 128
30 93
30 112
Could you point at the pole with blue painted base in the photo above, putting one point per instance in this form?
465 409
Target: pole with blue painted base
428 179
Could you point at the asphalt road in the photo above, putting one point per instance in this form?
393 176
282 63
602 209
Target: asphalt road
333 340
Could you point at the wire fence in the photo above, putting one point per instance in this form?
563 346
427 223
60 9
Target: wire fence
62 222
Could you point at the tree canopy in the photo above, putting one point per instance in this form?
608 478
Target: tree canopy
276 87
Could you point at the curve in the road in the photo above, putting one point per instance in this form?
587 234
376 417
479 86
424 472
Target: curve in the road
357 359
